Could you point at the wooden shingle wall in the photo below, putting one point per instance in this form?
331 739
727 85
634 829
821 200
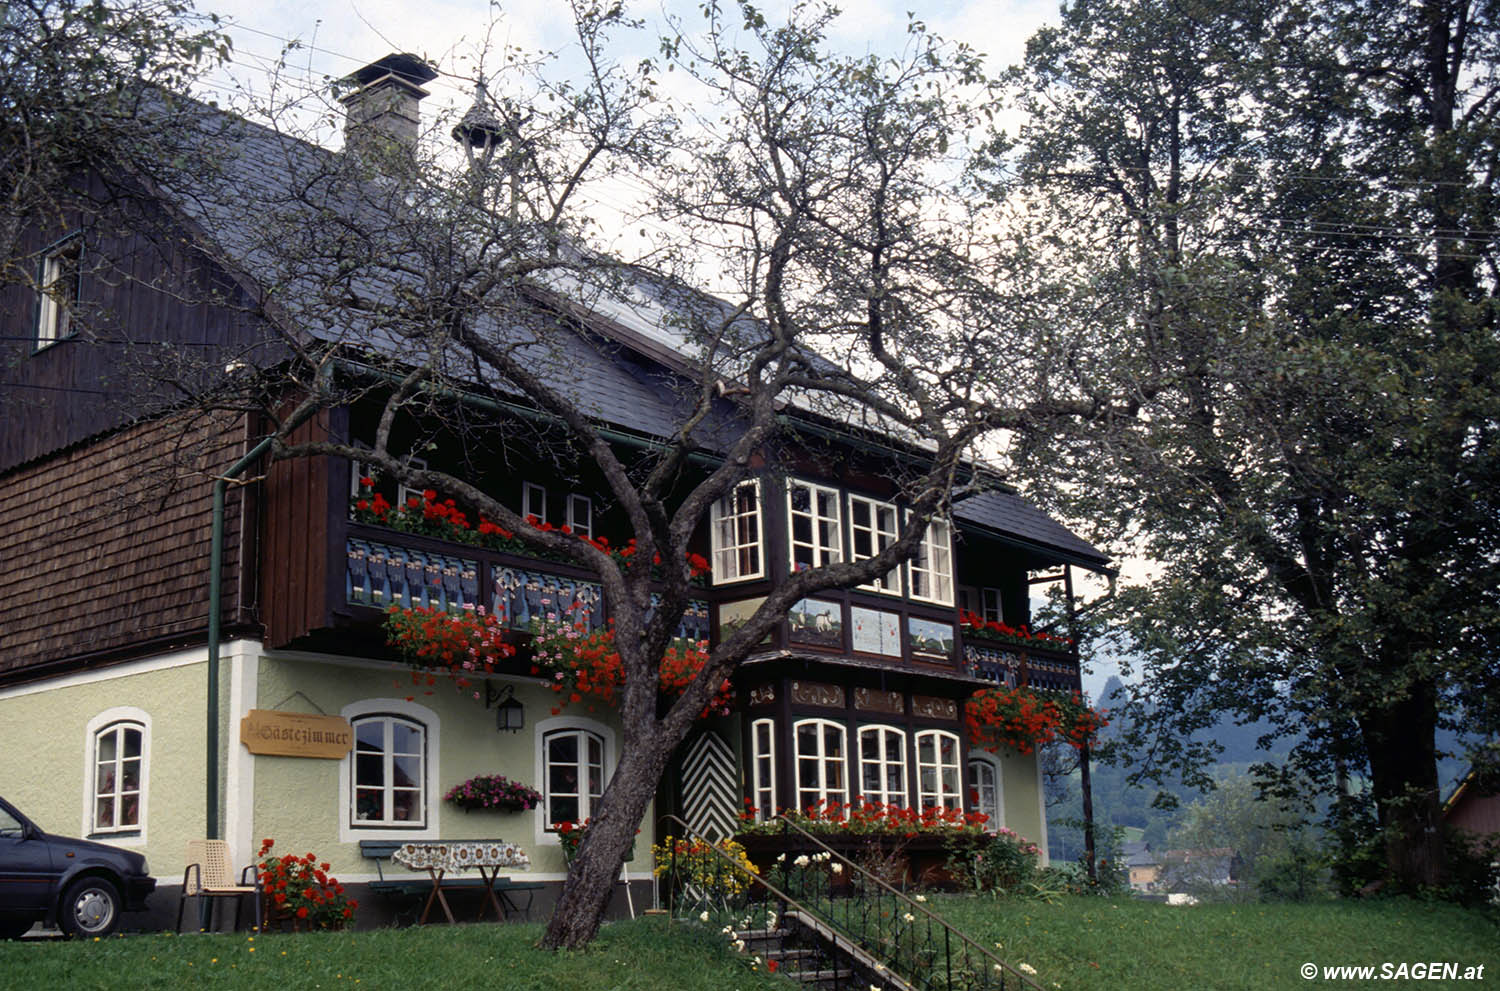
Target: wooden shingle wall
105 546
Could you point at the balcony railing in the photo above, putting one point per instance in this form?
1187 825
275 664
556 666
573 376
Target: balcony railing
385 569
1034 667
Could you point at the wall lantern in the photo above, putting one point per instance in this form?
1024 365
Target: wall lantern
510 714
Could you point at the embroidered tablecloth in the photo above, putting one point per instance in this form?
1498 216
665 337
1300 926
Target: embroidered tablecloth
447 855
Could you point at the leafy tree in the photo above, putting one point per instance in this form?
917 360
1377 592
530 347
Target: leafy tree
1274 222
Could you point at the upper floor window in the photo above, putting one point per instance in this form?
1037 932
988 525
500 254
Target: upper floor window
580 515
931 569
533 501
405 494
763 768
872 528
820 763
814 525
60 291
389 784
937 770
882 765
119 770
983 602
734 531
572 774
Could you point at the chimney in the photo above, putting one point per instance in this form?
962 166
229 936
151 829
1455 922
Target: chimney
380 114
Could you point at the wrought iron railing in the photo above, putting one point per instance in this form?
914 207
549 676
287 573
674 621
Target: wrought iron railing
811 903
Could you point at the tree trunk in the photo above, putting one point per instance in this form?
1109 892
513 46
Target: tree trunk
611 830
1400 743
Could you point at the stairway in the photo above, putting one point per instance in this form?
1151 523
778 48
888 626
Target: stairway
808 964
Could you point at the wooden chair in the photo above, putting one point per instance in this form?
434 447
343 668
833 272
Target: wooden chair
209 875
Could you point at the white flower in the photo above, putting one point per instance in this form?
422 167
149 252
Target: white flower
920 898
727 930
703 917
739 945
999 969
880 968
1026 968
908 917
801 861
781 858
838 868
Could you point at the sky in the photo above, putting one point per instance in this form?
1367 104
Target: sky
334 39
339 37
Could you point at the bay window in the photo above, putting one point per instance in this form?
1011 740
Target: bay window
820 763
814 525
882 765
937 770
734 532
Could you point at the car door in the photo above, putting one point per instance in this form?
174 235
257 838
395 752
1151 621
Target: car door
26 869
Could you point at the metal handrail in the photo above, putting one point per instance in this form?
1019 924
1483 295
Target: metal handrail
932 916
842 939
840 934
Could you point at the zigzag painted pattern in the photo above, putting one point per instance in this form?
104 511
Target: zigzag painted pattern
710 791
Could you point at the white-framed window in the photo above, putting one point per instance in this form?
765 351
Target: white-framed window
985 791
61 286
119 776
814 525
572 774
937 770
388 787
405 493
359 469
982 602
882 765
930 571
821 752
533 501
873 528
763 768
580 515
734 532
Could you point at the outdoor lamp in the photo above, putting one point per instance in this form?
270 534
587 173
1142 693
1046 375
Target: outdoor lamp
510 714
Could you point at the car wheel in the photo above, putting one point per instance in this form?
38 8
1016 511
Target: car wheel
14 929
91 907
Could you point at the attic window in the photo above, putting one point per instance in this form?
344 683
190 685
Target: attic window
60 292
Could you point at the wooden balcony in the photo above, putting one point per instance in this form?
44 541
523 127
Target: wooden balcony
1023 666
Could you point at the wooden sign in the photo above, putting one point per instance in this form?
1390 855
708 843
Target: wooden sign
296 734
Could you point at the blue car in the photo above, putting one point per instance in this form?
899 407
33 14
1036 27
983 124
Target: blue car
79 886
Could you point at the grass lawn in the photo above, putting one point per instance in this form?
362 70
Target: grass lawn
1078 944
628 956
1083 944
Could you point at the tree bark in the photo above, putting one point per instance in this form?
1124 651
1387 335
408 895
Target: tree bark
611 830
1400 744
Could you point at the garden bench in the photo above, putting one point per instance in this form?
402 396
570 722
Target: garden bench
504 888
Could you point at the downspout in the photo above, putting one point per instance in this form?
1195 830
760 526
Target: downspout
215 620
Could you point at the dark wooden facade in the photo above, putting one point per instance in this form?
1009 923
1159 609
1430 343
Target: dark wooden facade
104 555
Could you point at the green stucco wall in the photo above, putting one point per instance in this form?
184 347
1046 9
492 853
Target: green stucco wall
1024 807
46 746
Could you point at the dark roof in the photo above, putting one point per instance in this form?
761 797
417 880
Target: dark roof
1007 515
618 366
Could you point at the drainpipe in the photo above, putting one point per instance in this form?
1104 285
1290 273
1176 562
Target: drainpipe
215 621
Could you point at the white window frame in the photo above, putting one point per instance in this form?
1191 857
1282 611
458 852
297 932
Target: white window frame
875 750
110 718
880 539
534 501
763 768
996 812
412 712
822 552
359 469
991 605
580 515
542 833
388 789
722 555
940 796
933 564
823 791
55 306
586 795
405 492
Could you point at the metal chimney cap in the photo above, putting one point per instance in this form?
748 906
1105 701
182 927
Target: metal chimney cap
405 66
